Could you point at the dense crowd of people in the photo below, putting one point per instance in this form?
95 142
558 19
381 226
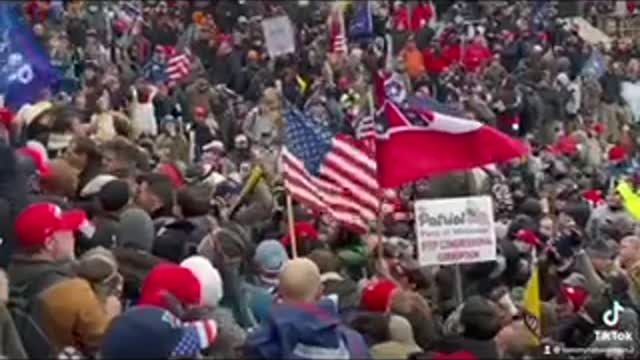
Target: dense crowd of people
146 217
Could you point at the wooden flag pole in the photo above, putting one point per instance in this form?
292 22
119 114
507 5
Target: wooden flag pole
292 231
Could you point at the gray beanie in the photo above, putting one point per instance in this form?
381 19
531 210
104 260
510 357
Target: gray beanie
136 230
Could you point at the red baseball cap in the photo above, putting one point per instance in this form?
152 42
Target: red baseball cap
377 295
302 230
39 221
617 153
576 295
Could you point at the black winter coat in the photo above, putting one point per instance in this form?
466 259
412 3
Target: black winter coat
13 198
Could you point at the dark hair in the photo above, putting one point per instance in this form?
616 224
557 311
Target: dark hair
62 118
326 260
373 326
114 195
123 150
194 201
160 185
85 145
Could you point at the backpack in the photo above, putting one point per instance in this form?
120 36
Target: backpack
24 309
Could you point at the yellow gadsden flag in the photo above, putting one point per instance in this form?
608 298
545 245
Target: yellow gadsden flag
532 307
630 198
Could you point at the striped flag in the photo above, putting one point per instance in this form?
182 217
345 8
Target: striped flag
178 66
330 173
365 131
337 32
435 141
365 128
198 335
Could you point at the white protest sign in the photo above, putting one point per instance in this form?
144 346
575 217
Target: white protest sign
455 230
278 35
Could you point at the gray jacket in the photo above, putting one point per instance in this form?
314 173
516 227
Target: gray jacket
10 343
230 335
258 208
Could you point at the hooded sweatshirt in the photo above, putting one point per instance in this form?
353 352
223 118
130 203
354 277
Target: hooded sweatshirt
133 250
305 331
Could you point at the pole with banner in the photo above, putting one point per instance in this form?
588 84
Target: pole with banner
292 230
455 231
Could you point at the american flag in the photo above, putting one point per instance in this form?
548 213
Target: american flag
337 33
365 128
330 173
365 131
178 66
197 336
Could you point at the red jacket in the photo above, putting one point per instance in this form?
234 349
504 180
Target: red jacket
475 55
420 16
452 53
400 19
434 63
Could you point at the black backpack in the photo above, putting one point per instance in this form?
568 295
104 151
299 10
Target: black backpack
24 307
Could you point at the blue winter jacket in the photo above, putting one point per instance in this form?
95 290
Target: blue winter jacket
305 331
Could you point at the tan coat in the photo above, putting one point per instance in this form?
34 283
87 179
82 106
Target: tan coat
634 286
74 316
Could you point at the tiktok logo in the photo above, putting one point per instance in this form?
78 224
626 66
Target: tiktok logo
611 317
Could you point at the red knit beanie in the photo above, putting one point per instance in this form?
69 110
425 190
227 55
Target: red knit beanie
173 279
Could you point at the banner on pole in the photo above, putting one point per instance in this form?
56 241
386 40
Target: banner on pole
455 230
278 35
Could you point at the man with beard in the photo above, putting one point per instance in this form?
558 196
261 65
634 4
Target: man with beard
612 212
241 150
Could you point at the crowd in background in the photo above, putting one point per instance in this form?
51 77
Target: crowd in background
133 223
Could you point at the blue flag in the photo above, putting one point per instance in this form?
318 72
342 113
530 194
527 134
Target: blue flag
594 65
361 24
155 71
25 69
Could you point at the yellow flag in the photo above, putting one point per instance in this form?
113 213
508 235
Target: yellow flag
254 178
301 83
630 198
532 307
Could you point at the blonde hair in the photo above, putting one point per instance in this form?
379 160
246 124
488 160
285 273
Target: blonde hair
300 280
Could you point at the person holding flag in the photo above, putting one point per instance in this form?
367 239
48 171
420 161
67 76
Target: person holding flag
25 66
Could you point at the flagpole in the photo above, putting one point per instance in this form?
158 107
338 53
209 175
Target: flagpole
457 278
292 231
